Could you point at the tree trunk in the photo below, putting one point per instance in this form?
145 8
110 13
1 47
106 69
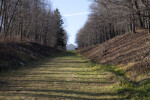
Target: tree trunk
138 13
149 21
5 19
133 23
1 14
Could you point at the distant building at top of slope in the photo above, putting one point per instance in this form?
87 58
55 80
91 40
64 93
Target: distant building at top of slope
71 47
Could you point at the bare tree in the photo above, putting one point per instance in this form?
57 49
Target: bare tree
110 18
28 20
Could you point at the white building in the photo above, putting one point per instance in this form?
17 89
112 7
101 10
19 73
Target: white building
71 47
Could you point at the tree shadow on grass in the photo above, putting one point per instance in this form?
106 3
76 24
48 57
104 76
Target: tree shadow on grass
54 73
67 54
70 92
72 61
13 89
63 81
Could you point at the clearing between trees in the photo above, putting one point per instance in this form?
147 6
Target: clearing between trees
67 76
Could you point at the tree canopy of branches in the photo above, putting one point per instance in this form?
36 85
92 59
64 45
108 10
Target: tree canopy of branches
110 18
29 20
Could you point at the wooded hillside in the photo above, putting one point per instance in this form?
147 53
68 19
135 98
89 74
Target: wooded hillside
110 18
32 21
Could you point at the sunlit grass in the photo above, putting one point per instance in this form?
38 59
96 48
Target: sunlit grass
67 76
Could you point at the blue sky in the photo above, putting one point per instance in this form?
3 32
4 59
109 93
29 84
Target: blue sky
75 14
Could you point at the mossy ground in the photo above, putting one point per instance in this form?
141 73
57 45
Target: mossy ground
67 76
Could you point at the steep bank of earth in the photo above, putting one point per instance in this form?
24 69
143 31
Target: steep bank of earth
129 52
15 55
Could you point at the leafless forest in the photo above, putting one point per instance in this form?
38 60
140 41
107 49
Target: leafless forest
112 62
110 18
31 21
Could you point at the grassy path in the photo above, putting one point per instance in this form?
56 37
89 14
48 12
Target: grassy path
66 77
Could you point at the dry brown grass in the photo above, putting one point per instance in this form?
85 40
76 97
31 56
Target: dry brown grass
125 49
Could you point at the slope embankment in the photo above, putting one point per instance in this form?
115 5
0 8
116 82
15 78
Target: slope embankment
130 52
15 55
